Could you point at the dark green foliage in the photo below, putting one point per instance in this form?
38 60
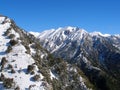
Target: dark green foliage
30 68
7 32
8 83
96 77
3 62
17 88
10 66
2 77
12 71
59 66
32 73
36 46
28 49
56 84
69 87
66 76
13 42
51 60
9 49
11 36
46 74
36 77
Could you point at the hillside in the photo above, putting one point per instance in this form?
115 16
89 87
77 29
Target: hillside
96 54
25 65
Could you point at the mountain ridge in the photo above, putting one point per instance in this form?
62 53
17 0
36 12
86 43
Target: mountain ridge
91 52
26 65
74 33
70 27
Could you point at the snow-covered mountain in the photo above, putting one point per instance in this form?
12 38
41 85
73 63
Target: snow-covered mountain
97 54
15 58
25 65
55 39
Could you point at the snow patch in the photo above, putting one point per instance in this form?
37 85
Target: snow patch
52 75
36 34
99 34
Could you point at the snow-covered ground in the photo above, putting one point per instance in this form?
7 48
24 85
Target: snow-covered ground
18 59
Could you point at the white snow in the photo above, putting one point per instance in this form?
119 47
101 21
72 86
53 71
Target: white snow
36 34
117 35
19 60
32 50
3 40
22 60
52 75
54 39
42 56
45 33
15 33
99 34
70 28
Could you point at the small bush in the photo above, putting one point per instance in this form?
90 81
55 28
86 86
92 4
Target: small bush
11 36
17 88
12 71
30 68
8 83
13 42
36 46
36 77
2 77
10 66
28 49
7 32
3 62
9 49
31 86
32 73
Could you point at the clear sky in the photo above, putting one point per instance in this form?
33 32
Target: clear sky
38 15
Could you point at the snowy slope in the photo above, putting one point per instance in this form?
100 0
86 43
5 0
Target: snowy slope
36 34
17 58
25 65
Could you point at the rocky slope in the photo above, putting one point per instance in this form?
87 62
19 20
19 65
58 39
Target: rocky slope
25 65
98 55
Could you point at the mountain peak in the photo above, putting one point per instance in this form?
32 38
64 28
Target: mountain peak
95 53
99 34
69 28
25 65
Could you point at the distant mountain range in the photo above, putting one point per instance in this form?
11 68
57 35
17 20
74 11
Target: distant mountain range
97 54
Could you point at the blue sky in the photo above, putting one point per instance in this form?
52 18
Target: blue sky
38 15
